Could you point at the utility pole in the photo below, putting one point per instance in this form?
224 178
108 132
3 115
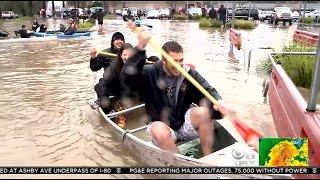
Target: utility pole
299 15
249 10
233 13
187 10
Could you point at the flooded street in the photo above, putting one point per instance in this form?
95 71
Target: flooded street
46 86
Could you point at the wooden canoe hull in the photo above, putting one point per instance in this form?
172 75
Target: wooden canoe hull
151 155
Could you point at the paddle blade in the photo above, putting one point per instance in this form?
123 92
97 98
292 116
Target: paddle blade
251 136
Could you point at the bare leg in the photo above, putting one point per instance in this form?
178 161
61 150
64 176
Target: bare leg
200 120
162 135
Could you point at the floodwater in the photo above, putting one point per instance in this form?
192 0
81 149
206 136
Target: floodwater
46 86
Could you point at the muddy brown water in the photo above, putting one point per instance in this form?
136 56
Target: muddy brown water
45 88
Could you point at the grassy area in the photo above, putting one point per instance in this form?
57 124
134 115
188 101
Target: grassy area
86 25
239 24
264 66
207 23
243 24
22 18
19 19
179 17
109 17
299 68
197 18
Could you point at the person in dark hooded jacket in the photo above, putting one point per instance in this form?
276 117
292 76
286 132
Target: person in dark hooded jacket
35 25
98 62
112 86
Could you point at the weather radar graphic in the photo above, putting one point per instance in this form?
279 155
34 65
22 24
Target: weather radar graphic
283 152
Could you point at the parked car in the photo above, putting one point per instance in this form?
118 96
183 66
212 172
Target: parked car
194 12
144 12
134 11
118 12
164 13
243 13
49 13
153 14
66 12
306 13
94 11
295 16
283 14
315 14
265 15
9 15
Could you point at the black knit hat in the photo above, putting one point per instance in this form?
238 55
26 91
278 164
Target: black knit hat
117 35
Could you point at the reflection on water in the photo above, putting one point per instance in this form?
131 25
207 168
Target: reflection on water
46 86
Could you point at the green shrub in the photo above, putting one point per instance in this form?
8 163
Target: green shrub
86 25
264 66
298 67
244 24
197 17
179 17
205 23
216 23
307 20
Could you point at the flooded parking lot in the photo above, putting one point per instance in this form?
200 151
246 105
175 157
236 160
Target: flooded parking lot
46 86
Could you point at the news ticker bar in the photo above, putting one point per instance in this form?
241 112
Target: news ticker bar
159 170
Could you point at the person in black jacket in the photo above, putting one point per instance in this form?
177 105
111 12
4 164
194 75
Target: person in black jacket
43 28
98 61
35 25
222 14
212 13
168 98
112 86
100 18
23 33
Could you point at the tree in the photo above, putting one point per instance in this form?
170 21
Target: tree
30 9
44 5
96 4
53 9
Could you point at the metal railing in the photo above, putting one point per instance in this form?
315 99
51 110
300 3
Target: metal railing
250 52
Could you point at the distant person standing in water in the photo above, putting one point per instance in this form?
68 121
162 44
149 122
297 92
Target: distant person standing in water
222 14
100 18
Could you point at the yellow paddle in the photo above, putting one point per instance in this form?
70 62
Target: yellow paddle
246 132
115 55
103 53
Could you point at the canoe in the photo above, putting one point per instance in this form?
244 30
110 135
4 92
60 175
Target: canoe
82 34
227 140
61 35
31 39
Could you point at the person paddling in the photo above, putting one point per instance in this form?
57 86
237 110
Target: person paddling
169 98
